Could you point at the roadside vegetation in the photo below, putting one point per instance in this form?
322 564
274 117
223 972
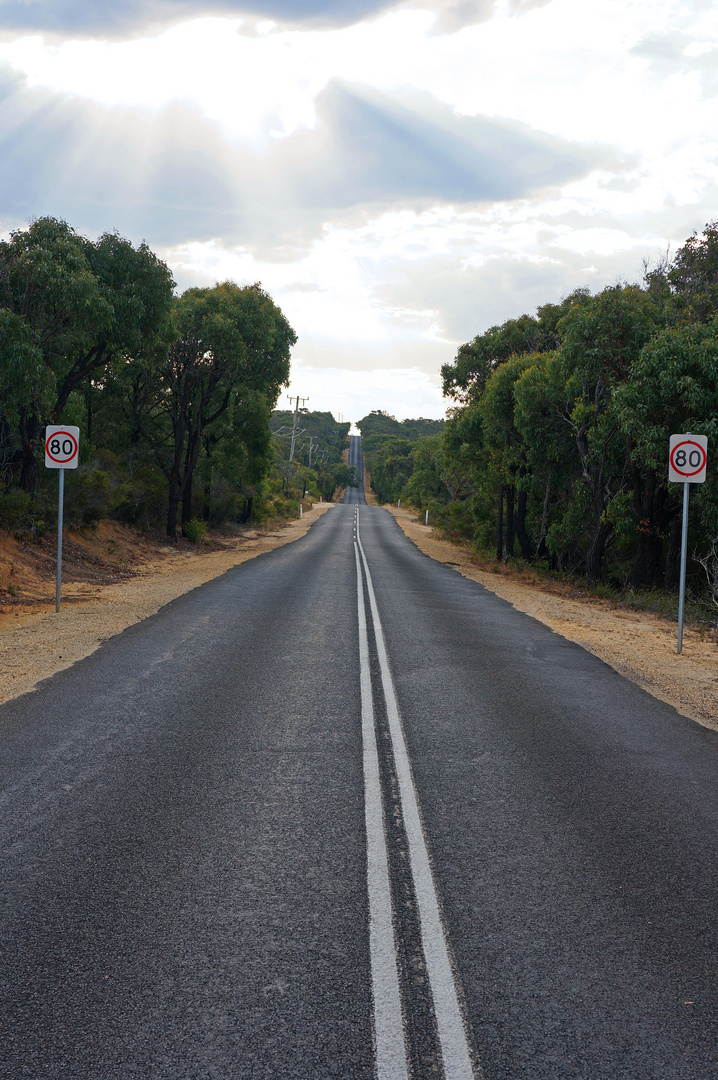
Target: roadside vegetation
317 469
554 455
173 394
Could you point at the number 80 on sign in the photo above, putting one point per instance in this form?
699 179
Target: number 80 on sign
687 459
62 446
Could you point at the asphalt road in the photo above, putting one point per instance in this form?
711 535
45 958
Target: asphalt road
192 840
356 458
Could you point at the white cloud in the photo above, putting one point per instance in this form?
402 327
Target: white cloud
249 116
403 392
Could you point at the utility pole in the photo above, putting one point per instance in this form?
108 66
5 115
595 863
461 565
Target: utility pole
312 446
294 425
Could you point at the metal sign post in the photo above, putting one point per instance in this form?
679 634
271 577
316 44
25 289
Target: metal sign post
687 463
62 451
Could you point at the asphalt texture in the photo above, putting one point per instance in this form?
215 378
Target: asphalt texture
183 874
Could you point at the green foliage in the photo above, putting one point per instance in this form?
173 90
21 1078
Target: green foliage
390 449
319 444
14 508
195 530
344 476
379 422
71 310
466 379
173 395
563 426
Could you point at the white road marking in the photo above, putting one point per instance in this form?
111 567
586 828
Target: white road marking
452 1034
391 1061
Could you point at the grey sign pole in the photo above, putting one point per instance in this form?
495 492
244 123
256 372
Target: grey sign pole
684 559
60 505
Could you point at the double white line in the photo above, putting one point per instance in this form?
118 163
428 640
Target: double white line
391 1056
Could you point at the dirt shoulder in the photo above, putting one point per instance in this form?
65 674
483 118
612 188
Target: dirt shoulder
368 490
639 645
113 581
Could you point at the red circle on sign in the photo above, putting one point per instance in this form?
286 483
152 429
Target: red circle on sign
61 435
704 457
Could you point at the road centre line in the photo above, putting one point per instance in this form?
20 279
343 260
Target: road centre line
391 1062
452 1034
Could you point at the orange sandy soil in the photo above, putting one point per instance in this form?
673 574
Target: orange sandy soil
112 577
637 644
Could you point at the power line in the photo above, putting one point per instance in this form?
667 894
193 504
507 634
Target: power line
294 425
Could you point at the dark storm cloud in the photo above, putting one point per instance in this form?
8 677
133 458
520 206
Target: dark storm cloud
173 178
95 18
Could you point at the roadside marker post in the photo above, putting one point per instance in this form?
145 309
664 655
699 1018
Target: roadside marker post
687 464
62 451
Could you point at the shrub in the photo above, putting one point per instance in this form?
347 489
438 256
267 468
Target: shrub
14 506
194 530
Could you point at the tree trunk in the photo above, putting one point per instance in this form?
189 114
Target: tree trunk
541 549
187 497
29 430
648 559
28 473
673 556
521 534
510 532
173 508
500 525
600 536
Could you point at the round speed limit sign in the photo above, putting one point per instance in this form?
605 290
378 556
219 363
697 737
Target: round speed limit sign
687 459
62 447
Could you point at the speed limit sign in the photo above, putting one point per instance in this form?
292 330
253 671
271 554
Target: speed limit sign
687 459
62 447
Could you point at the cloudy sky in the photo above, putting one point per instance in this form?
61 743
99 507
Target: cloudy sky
398 176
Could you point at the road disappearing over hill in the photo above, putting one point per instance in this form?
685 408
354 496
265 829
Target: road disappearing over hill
342 812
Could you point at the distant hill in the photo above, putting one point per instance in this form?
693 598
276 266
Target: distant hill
379 422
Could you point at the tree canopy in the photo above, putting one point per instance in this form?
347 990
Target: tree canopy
168 390
560 424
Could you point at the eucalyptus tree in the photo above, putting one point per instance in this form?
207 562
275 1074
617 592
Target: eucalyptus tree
70 308
465 380
600 340
693 278
673 387
551 473
505 457
229 342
